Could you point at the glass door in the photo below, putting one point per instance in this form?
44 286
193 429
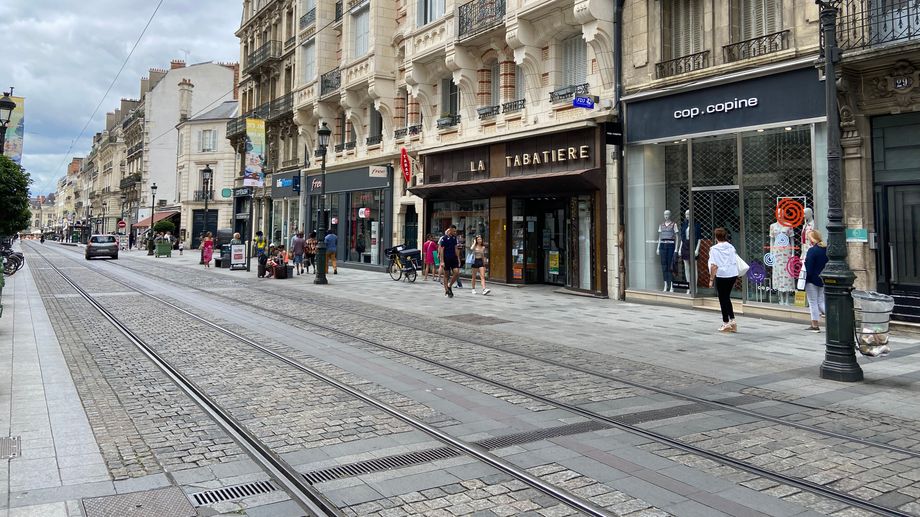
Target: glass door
554 238
902 250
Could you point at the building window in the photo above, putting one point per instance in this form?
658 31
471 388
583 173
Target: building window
450 98
361 31
207 141
308 60
375 126
683 28
575 60
495 84
429 11
519 83
756 18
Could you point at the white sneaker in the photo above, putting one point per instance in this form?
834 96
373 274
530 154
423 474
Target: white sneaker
473 290
486 291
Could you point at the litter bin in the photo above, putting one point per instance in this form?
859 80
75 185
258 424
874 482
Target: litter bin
872 312
225 256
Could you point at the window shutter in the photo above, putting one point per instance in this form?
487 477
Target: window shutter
686 22
575 60
198 143
773 20
496 84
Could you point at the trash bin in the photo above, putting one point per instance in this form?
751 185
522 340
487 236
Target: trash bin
225 256
872 312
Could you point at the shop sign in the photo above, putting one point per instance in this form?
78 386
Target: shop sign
316 184
553 262
286 184
227 192
405 164
334 220
857 235
237 255
377 171
788 96
584 102
364 213
561 154
375 238
242 192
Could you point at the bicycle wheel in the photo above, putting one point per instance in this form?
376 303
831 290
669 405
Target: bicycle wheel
13 264
411 274
394 270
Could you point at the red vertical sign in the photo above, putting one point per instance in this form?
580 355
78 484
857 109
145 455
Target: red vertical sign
405 165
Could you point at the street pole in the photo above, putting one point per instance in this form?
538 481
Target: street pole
6 114
252 200
840 346
324 132
153 203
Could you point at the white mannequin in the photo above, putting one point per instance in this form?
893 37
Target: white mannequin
782 282
667 240
685 241
807 226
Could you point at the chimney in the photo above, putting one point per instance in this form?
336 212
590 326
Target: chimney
236 78
109 121
176 63
185 99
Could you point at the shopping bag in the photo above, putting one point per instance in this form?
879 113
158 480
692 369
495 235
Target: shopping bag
742 265
800 284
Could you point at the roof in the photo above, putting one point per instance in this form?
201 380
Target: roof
224 110
157 217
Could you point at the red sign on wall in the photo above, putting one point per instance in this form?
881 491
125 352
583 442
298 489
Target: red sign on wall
405 164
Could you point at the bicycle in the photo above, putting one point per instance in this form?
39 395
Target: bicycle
401 264
13 260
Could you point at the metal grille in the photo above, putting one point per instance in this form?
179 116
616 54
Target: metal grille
166 501
232 492
9 447
677 197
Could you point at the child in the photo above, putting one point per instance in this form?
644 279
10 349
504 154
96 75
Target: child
181 247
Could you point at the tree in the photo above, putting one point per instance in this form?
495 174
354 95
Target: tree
164 226
14 197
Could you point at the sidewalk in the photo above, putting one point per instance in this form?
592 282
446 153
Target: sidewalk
764 354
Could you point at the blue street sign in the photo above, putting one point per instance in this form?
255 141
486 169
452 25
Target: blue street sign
584 102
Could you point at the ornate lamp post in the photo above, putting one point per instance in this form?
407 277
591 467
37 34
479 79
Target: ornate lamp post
206 193
153 203
124 199
840 347
323 134
6 113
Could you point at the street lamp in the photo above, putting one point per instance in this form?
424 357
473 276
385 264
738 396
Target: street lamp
124 199
323 133
153 203
840 347
6 113
104 225
206 193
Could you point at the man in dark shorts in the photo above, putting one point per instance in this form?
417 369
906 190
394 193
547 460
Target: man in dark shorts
447 249
298 244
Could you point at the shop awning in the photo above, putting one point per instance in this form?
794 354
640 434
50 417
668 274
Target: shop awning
534 184
157 217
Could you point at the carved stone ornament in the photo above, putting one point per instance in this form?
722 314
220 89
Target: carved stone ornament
902 80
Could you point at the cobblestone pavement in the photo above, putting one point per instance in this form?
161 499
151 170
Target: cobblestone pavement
870 473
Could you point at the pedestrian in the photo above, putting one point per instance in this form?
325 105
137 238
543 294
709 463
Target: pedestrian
207 249
478 252
181 247
331 241
815 260
723 272
309 252
298 247
261 244
447 250
236 240
428 250
461 245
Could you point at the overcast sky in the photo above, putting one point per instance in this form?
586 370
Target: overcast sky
61 55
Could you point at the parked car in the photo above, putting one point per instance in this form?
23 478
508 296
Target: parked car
102 246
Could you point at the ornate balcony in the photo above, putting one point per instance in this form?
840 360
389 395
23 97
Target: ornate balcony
339 148
308 19
415 130
290 43
374 140
488 112
330 82
400 133
350 145
130 181
511 107
338 10
760 46
568 92
281 106
867 23
201 195
269 51
478 16
682 65
448 121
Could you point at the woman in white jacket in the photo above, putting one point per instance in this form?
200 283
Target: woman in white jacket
723 272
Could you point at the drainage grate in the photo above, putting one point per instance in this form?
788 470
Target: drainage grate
230 493
10 447
165 501
443 453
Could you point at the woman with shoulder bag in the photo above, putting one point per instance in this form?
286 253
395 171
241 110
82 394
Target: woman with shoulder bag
478 264
815 260
724 269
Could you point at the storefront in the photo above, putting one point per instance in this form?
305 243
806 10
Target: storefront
285 206
536 202
242 211
749 156
358 209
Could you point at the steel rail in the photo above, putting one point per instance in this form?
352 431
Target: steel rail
464 447
310 499
632 429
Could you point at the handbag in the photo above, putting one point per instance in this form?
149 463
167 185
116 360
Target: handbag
470 258
800 284
742 265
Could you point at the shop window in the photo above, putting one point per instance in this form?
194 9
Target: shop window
682 28
361 32
366 217
574 61
471 216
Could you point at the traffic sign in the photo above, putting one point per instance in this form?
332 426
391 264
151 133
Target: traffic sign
122 224
584 102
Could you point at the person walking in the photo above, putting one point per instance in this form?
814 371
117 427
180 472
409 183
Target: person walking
429 249
260 244
207 249
478 251
332 241
298 247
723 272
447 250
309 252
815 260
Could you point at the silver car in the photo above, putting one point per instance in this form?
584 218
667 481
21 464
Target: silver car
102 246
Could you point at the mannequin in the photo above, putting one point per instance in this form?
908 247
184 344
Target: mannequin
807 226
781 246
667 238
683 247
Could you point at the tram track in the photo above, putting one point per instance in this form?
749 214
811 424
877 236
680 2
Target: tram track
286 475
723 459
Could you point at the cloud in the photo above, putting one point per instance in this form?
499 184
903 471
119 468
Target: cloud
62 55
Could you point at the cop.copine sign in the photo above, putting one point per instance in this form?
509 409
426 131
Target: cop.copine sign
718 107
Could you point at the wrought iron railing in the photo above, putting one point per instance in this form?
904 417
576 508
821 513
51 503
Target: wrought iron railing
374 140
236 126
136 148
290 42
400 133
339 148
281 106
448 121
867 23
268 51
129 181
760 46
201 195
516 105
350 145
487 112
568 92
415 130
338 10
330 82
307 19
480 15
682 65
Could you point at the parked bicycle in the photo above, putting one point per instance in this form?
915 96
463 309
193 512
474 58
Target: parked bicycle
402 263
12 260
